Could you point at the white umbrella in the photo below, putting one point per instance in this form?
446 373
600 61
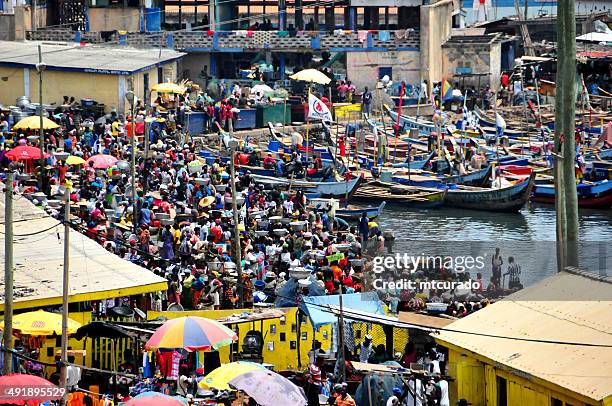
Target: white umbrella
261 88
269 388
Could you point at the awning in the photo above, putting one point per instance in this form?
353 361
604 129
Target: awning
320 309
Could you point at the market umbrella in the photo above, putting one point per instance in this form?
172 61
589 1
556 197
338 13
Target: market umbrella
102 161
23 152
168 87
74 160
41 323
33 123
261 89
23 389
123 165
192 334
220 377
155 399
312 76
269 388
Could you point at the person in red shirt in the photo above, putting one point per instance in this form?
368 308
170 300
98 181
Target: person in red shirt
62 170
217 231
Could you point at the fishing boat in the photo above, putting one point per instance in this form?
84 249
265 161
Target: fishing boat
510 198
401 195
349 212
590 194
342 190
432 180
425 127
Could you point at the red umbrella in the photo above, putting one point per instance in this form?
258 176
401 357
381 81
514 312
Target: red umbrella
102 161
22 389
23 152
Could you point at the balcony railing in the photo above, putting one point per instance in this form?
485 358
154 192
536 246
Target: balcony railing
240 41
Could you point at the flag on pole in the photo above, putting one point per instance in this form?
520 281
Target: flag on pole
317 109
500 124
447 91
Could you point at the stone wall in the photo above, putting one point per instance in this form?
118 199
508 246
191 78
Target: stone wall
362 67
480 58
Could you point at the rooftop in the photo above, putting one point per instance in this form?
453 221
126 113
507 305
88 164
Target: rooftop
94 272
88 58
570 307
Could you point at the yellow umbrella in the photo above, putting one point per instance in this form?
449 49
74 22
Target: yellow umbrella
74 160
168 87
220 377
312 76
33 123
41 323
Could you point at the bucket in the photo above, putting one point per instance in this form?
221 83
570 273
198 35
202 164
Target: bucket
273 145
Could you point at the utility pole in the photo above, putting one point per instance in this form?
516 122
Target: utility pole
65 290
565 143
131 98
237 247
8 275
40 67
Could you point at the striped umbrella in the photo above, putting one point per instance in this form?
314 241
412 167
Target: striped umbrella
192 334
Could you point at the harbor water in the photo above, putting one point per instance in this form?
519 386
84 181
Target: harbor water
528 236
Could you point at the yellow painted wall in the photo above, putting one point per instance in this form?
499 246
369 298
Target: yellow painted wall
281 355
476 381
57 84
101 87
12 88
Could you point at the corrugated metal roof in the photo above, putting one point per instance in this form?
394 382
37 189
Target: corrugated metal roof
116 59
568 307
94 272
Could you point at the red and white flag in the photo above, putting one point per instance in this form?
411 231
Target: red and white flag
317 109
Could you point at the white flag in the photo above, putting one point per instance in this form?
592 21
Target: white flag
317 109
500 123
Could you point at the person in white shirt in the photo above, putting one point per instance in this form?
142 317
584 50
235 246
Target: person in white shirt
444 398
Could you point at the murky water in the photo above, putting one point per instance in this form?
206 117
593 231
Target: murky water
529 236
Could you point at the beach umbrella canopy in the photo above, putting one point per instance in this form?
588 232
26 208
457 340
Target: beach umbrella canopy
192 334
102 161
33 123
23 153
269 388
312 76
74 160
41 323
261 89
220 377
168 87
23 389
155 399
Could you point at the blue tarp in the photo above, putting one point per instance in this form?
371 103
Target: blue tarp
314 306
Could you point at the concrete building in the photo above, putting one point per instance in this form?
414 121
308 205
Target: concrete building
546 345
93 71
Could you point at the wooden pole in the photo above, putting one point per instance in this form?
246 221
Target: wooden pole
7 334
399 114
237 247
341 334
565 113
65 291
41 132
